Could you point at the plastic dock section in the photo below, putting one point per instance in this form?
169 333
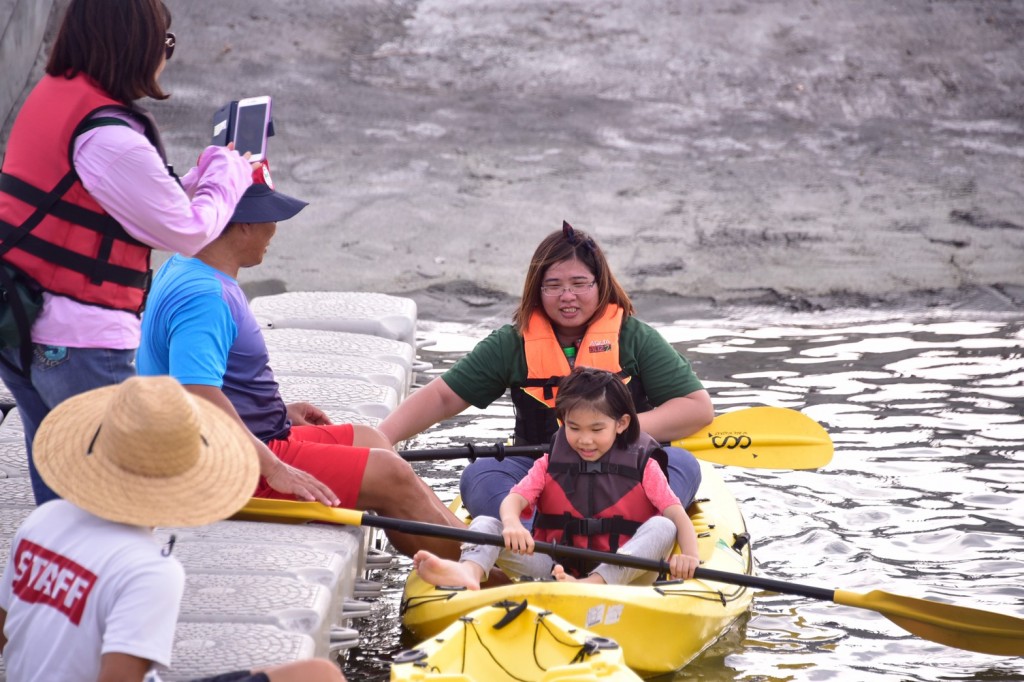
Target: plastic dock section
263 593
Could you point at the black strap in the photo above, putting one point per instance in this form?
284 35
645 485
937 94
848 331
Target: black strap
20 316
551 383
72 260
512 611
571 525
598 467
99 122
21 319
616 528
97 222
42 208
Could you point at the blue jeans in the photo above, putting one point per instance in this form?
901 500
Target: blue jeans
486 482
58 373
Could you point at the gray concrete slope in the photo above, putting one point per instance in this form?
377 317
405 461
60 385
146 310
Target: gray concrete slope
778 151
22 26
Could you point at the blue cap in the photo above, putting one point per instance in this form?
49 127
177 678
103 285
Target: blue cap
262 204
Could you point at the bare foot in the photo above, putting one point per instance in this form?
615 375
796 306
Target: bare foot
559 574
438 571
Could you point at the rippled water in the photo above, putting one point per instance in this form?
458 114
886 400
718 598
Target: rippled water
924 497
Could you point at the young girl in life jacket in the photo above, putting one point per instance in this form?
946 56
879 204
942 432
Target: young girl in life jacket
599 487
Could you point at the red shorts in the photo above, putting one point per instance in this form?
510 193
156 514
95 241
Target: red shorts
327 453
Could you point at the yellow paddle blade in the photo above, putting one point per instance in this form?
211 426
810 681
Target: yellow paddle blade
956 626
286 511
762 438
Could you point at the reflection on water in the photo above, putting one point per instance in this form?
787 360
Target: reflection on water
924 498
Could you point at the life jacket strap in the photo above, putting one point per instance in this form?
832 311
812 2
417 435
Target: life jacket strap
572 526
598 467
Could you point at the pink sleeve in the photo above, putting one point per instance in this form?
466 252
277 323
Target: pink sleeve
656 486
532 484
124 173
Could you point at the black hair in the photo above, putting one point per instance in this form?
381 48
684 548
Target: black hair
569 244
600 390
119 44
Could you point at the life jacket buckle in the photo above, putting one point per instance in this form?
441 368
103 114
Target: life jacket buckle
590 527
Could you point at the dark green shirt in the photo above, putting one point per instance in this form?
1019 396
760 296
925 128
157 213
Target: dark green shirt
499 362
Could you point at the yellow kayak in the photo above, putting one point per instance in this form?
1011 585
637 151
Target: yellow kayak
514 642
661 627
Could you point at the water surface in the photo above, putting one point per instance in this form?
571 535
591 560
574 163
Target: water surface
924 497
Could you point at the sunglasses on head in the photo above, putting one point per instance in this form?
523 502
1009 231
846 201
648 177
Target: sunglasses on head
169 43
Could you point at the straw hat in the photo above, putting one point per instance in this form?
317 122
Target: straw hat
147 453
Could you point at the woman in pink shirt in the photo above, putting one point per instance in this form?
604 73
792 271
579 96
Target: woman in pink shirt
86 194
600 487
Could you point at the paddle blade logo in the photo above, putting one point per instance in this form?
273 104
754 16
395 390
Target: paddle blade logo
731 442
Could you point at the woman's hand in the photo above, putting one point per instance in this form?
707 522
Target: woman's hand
304 414
248 155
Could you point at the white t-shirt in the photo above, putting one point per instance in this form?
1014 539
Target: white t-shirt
77 586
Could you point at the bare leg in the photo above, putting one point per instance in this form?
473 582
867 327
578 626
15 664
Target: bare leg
391 488
438 571
364 436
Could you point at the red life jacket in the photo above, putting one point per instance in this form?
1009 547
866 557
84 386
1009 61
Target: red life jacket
546 365
596 505
51 229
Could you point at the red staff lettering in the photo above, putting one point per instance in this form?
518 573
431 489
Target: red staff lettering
45 577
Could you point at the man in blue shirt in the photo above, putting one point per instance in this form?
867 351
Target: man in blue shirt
198 328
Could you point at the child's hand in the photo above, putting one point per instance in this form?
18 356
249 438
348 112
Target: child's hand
682 566
517 538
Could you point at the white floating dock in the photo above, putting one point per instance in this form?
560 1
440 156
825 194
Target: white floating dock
343 395
372 370
390 317
258 594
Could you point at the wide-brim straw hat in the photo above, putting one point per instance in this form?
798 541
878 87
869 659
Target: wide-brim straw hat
148 453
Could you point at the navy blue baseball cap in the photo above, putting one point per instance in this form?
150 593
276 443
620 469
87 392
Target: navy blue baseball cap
261 203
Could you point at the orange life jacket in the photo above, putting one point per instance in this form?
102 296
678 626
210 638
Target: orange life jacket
594 505
51 229
546 364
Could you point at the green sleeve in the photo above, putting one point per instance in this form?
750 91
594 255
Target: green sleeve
494 364
645 354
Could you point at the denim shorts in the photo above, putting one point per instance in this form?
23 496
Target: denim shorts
58 372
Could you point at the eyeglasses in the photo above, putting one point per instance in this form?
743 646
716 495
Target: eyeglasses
558 289
169 43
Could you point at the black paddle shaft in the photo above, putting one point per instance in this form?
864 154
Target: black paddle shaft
470 451
661 566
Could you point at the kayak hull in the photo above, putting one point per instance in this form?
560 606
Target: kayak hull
661 627
512 641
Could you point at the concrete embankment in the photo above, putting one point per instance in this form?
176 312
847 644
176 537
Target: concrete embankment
789 153
22 27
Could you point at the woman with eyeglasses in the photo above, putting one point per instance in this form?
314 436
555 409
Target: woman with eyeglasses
85 195
573 312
